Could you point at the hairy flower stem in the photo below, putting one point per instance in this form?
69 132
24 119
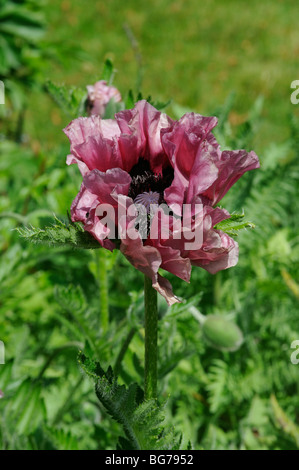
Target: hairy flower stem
123 350
101 261
151 339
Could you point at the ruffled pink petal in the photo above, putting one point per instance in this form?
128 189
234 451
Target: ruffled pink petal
141 135
176 194
83 168
82 204
217 214
98 154
99 230
163 226
106 151
204 171
164 288
193 152
182 141
94 142
173 262
102 184
146 259
80 129
211 249
232 166
83 209
219 252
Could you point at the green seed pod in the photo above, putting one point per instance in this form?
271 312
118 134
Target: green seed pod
222 334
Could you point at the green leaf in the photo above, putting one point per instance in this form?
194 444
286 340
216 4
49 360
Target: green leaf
6 374
171 362
26 32
60 234
61 439
160 105
234 224
77 317
21 22
111 109
142 421
32 413
217 385
8 56
71 298
283 421
129 101
70 99
108 72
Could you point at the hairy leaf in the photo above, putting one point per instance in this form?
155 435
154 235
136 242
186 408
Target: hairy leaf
142 421
234 224
60 234
70 99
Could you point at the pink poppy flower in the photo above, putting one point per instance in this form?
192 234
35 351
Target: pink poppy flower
99 96
142 158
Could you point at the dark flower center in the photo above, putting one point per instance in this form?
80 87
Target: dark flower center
146 189
144 180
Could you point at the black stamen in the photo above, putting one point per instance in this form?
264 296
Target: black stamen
145 180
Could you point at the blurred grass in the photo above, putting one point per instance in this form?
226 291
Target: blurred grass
193 52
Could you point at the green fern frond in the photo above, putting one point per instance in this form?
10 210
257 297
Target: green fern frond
142 421
217 385
234 224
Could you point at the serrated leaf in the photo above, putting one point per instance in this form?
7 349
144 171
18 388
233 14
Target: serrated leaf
131 99
60 234
234 224
70 99
142 421
160 105
217 385
71 298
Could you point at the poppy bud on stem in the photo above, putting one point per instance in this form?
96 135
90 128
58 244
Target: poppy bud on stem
151 339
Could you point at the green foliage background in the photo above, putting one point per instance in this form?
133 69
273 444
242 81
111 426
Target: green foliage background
213 57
